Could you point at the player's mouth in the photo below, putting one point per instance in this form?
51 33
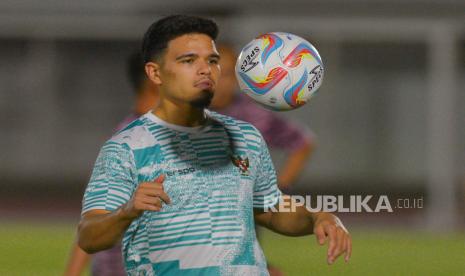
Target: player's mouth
204 84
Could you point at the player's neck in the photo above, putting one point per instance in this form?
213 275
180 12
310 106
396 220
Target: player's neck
145 101
181 114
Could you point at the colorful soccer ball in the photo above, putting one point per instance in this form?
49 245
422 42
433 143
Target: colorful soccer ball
280 71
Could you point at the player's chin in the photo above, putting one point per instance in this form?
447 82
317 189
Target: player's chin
204 99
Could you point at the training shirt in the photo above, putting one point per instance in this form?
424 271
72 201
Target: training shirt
215 175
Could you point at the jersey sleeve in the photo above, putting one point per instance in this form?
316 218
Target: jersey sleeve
113 179
266 192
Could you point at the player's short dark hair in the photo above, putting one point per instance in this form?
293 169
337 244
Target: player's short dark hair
161 32
136 71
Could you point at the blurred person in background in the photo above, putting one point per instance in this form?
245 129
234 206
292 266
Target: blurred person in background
281 134
110 262
297 142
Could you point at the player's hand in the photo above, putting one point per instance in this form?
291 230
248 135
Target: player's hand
329 227
147 197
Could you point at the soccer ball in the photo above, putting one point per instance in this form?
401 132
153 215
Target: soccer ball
280 71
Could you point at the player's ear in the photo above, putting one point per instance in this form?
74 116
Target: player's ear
152 69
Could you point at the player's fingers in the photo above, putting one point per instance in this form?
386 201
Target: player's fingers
336 250
342 247
331 232
155 201
341 244
151 207
151 190
156 183
164 196
348 249
320 235
343 241
159 179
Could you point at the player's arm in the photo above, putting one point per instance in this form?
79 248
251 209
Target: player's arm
325 226
101 229
294 164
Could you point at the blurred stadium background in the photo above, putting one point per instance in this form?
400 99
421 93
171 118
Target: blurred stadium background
390 120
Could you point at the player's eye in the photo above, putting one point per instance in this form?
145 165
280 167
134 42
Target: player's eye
188 60
213 61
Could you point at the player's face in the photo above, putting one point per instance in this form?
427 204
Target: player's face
224 94
189 70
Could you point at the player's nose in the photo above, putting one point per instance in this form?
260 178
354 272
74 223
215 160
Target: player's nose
204 68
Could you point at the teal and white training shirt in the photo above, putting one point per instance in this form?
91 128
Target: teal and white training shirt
215 175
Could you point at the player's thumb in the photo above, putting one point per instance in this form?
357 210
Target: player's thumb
320 235
159 179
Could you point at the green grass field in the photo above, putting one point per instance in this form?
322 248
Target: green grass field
42 249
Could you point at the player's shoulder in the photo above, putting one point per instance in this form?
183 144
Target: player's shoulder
133 136
233 124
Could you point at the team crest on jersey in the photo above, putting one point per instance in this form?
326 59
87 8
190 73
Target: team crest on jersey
242 164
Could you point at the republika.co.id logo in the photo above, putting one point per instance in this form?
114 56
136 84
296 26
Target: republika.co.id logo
345 204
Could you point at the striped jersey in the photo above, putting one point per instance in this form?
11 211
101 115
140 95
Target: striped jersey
215 175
